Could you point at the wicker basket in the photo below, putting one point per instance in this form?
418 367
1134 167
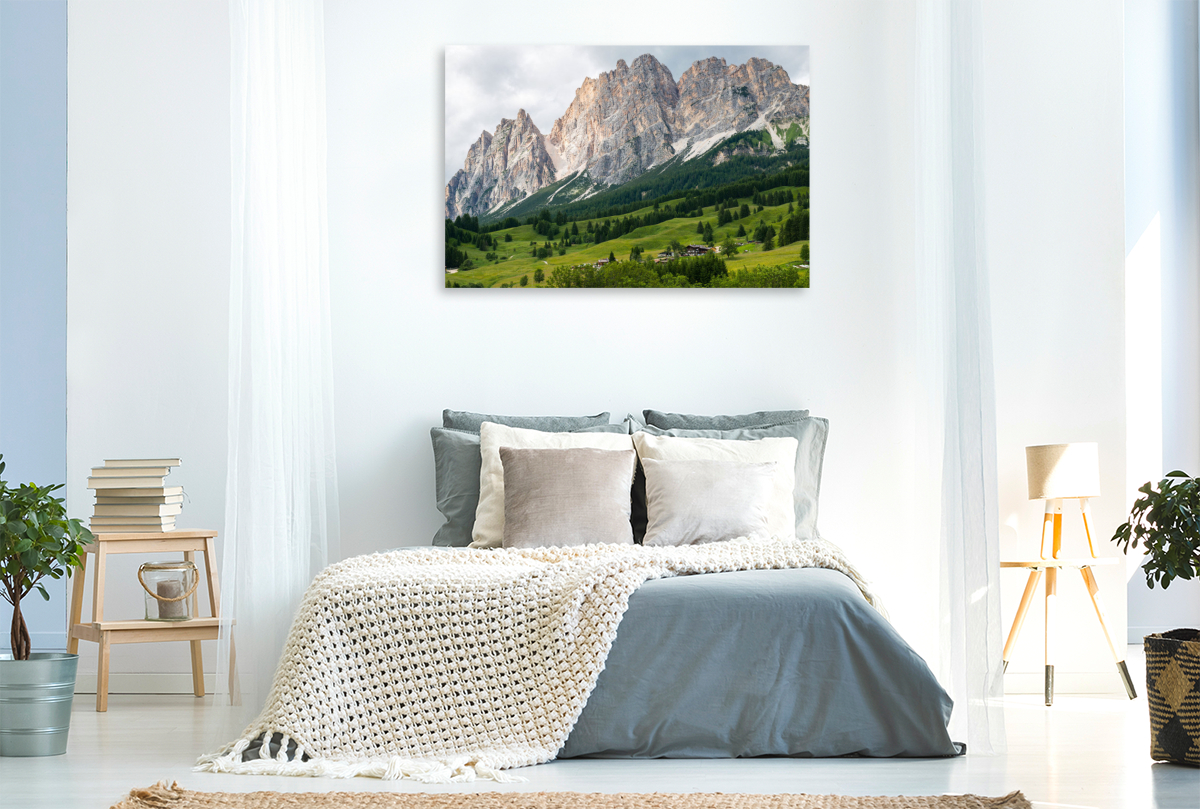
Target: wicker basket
1173 692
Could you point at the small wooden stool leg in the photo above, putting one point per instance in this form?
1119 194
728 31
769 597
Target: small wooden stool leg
214 603
1035 576
77 579
1051 605
197 651
102 674
1093 588
235 687
98 583
197 669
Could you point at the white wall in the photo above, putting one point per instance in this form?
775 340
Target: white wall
148 247
405 347
1055 210
1162 242
150 192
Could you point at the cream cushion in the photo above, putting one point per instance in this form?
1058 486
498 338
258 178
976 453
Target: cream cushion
489 514
781 516
565 497
691 502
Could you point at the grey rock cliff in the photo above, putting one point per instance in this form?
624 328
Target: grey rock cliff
626 121
509 164
619 124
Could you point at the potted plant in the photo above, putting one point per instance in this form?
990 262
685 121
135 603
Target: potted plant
36 688
1166 522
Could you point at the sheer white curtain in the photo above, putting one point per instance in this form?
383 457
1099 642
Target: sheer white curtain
957 428
281 509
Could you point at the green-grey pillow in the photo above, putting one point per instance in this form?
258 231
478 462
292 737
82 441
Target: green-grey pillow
810 432
686 421
456 466
456 463
463 420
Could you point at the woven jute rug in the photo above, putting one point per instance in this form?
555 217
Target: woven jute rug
162 796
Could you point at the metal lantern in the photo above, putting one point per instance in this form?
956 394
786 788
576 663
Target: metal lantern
169 587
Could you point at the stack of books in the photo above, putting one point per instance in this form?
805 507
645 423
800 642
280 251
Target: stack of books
132 496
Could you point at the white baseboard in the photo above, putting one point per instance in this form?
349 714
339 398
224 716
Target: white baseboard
144 683
45 641
1020 682
1066 682
1136 633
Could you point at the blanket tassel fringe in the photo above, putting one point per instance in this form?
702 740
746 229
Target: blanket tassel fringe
452 770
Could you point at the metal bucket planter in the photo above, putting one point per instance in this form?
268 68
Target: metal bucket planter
35 703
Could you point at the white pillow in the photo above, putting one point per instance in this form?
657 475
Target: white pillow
489 514
690 502
781 515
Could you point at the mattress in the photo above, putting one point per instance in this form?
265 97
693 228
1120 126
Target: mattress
760 663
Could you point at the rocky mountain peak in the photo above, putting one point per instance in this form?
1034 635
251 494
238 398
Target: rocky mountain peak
507 165
619 124
625 121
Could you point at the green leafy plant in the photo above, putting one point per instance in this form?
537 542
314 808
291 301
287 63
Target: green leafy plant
1166 521
36 540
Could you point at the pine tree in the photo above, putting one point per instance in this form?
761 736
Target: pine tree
741 231
611 257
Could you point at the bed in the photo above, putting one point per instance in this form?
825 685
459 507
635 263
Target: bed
571 641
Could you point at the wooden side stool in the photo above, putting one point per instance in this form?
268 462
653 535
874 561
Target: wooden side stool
107 633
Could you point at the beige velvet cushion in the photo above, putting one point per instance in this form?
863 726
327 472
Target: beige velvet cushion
781 514
566 496
488 531
689 502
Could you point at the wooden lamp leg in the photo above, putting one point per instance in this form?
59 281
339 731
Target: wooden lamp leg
1086 511
1051 605
1093 588
1035 576
1048 517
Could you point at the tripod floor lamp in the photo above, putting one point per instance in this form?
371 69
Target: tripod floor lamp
1059 472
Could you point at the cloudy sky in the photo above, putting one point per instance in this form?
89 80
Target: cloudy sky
486 83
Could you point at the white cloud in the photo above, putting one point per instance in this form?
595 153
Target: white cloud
488 82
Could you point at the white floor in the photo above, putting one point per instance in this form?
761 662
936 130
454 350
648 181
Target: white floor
1082 752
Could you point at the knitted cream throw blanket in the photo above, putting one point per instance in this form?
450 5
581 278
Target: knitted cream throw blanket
447 666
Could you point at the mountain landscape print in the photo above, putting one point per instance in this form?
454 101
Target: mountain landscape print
613 166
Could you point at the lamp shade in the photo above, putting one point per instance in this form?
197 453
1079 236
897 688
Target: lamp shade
1063 470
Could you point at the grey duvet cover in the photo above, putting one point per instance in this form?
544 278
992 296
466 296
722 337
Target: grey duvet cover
760 663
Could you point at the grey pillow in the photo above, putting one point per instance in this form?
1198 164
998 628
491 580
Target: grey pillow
685 421
463 420
694 501
456 464
811 433
564 497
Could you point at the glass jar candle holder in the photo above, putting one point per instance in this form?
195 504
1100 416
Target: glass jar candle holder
169 587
